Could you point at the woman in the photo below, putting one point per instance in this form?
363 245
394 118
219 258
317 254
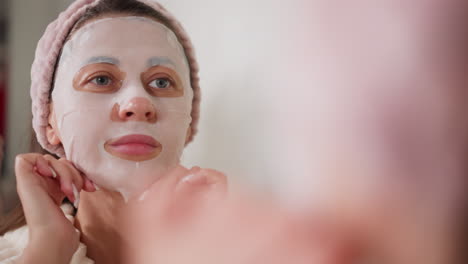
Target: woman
116 96
106 84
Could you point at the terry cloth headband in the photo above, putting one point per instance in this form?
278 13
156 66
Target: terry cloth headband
48 52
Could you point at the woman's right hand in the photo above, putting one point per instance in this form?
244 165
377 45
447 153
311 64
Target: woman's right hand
42 183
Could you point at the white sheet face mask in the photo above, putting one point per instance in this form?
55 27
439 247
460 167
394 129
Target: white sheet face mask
122 100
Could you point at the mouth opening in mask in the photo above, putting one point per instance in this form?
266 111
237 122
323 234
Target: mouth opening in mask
134 147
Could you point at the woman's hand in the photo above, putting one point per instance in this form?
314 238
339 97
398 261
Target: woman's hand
42 183
188 218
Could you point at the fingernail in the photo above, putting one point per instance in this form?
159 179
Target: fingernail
76 195
188 178
143 196
184 182
54 174
195 169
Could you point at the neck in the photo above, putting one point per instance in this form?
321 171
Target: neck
100 219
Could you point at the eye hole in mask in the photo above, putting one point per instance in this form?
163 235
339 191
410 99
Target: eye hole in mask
161 81
102 80
99 78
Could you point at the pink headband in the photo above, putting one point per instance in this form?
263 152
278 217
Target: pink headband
48 51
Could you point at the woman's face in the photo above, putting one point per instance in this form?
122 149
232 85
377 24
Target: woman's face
122 102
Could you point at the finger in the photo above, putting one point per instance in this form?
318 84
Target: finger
78 177
54 186
196 192
88 185
68 170
165 187
209 182
216 180
66 178
37 203
25 164
43 168
51 185
160 195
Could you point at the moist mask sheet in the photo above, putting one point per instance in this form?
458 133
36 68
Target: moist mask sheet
118 77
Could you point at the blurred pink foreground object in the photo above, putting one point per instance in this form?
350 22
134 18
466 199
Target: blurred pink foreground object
373 134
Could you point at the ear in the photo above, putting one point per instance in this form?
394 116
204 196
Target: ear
52 132
189 133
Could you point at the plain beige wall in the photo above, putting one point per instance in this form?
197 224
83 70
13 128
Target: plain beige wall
28 20
237 44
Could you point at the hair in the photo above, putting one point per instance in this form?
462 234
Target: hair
16 218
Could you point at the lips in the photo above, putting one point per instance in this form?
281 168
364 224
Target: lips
134 147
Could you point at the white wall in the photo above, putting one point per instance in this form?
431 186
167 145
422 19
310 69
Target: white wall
236 46
28 20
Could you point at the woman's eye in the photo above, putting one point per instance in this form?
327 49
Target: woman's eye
160 83
101 80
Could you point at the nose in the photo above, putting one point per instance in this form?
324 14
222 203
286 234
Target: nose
138 109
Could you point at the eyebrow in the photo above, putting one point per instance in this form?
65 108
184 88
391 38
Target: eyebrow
102 59
155 61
